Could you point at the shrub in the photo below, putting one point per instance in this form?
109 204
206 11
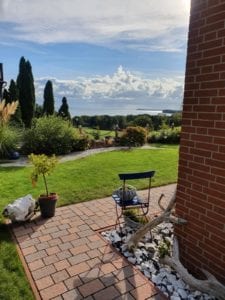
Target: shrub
133 136
9 139
81 143
49 135
165 136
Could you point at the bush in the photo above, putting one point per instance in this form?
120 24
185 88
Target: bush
9 139
81 144
165 136
133 136
49 135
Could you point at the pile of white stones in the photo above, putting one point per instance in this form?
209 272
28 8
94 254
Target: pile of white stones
146 258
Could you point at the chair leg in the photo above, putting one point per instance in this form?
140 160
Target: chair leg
118 216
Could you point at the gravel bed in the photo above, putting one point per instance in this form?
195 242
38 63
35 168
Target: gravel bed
146 258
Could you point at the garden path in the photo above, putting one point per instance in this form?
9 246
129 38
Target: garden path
65 257
23 161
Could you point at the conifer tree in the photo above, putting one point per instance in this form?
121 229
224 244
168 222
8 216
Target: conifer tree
64 109
25 84
48 105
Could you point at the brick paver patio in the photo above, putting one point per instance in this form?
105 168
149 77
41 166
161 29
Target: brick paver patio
66 258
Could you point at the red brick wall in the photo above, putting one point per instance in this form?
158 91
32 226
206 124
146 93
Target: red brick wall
201 183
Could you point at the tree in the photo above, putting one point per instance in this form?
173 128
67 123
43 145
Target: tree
64 109
25 84
143 121
48 105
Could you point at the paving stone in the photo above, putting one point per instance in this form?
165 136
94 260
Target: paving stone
64 254
94 262
125 272
42 246
96 244
55 242
83 227
60 276
107 268
53 291
85 233
37 264
62 264
65 246
52 250
81 241
144 292
69 237
44 282
91 287
79 249
59 233
108 279
73 282
22 231
93 253
126 297
72 295
28 242
78 258
29 250
90 275
137 280
43 272
115 259
34 256
77 269
107 294
158 297
51 259
64 226
45 238
123 286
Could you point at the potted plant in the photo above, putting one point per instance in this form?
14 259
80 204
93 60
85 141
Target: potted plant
43 166
133 219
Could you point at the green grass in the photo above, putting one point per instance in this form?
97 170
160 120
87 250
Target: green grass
102 133
75 181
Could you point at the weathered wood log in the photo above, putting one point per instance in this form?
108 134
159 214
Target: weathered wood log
164 217
210 286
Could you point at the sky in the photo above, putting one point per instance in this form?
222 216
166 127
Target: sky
105 56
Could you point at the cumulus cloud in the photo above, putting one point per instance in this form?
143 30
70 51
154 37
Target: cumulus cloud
124 91
156 25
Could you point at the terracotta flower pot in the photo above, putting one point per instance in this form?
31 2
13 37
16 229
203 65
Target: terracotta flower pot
47 205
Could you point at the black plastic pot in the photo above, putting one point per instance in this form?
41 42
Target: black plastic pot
47 205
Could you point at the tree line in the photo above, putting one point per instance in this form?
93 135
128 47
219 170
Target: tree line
106 122
23 90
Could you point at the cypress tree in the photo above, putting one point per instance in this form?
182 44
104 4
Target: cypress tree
64 109
25 84
48 105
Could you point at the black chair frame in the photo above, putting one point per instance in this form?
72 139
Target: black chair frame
136 202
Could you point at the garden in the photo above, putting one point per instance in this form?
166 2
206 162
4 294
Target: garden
74 181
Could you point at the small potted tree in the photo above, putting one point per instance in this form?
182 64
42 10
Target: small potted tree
43 166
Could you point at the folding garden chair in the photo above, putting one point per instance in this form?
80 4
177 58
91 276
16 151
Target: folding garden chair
126 196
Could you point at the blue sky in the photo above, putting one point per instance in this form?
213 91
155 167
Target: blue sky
105 56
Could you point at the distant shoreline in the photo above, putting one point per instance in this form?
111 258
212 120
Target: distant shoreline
163 111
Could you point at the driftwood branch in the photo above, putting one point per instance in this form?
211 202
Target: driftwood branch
164 217
210 286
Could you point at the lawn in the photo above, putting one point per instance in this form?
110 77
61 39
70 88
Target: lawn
102 133
89 178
